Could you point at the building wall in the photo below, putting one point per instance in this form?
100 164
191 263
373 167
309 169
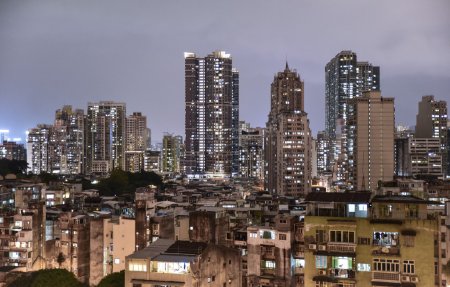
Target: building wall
211 115
421 253
124 235
288 138
374 137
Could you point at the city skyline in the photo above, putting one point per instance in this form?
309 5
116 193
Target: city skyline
57 54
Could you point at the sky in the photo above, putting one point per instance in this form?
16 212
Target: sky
61 52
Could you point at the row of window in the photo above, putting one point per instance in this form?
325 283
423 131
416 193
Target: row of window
379 264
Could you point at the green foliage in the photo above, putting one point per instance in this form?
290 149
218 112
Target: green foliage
116 279
12 166
121 182
46 277
47 177
60 259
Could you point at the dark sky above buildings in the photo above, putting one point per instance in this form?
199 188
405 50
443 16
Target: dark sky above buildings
55 53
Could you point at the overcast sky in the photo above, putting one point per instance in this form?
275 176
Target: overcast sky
55 53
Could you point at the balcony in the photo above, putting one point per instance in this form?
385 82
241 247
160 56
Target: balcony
342 247
240 243
268 271
386 276
342 273
299 270
267 253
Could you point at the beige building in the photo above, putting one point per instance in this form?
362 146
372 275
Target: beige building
271 261
372 159
389 241
432 122
182 263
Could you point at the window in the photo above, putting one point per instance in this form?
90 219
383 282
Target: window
321 261
342 262
364 240
364 267
408 267
385 238
320 236
268 264
137 266
253 235
408 241
342 236
386 265
266 234
282 236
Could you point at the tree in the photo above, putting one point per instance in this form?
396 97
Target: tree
116 279
12 166
46 277
60 259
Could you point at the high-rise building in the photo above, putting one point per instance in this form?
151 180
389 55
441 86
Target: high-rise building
12 150
372 123
67 141
105 137
137 137
345 79
37 149
251 151
211 115
288 138
322 144
432 123
170 154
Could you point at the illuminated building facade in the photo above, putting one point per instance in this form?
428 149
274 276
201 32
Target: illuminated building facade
211 115
171 152
322 145
67 141
345 79
105 137
12 150
137 137
432 123
251 151
288 138
37 149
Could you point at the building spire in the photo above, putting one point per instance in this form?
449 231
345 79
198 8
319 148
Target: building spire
287 66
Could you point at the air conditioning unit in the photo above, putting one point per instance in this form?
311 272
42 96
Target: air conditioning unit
155 232
405 278
322 247
322 272
414 279
312 246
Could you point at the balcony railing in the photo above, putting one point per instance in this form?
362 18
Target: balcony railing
392 251
342 273
386 276
299 270
342 247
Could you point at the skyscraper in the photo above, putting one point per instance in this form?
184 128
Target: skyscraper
288 138
211 115
251 151
432 123
345 79
37 149
68 140
170 154
105 137
137 137
373 124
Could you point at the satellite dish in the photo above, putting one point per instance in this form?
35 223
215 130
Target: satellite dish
385 250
